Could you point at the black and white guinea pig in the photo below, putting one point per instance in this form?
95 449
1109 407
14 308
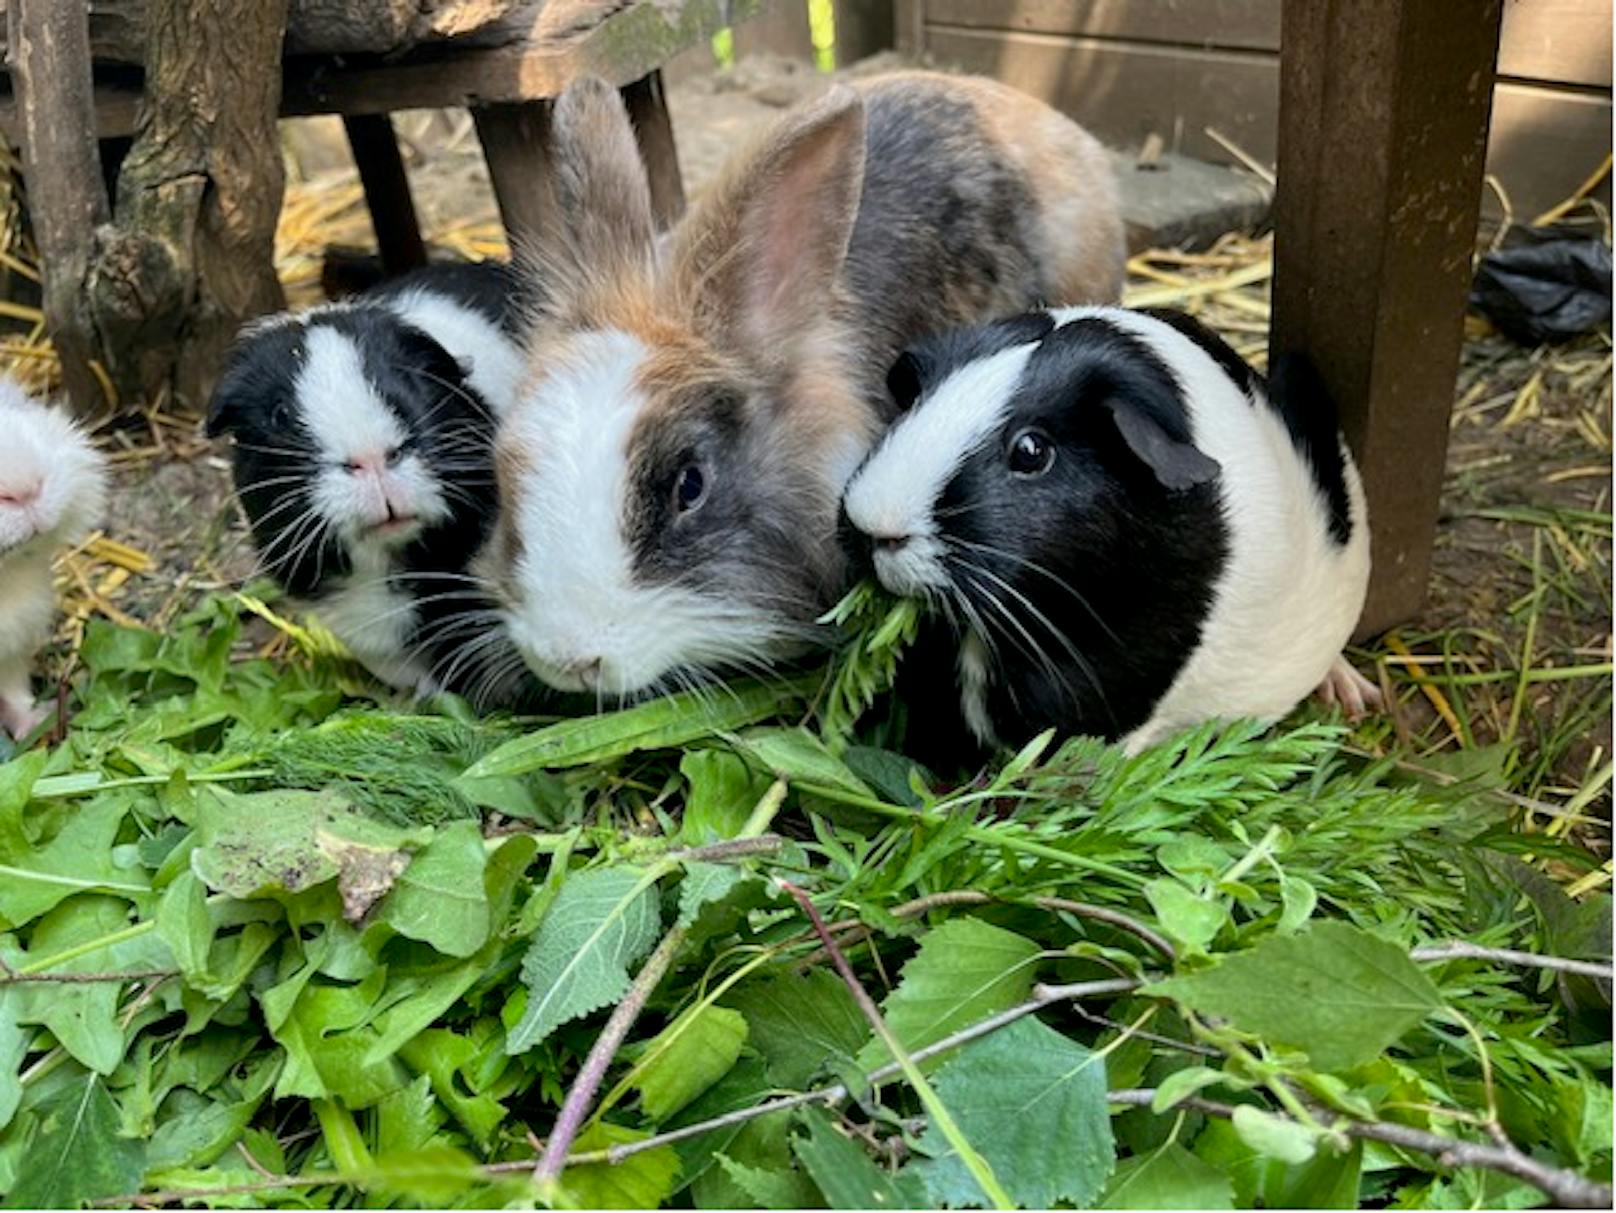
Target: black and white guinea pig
1125 530
52 491
363 457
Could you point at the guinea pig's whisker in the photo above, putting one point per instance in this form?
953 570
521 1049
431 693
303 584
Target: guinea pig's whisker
302 457
270 482
955 511
1034 567
290 539
1038 653
291 503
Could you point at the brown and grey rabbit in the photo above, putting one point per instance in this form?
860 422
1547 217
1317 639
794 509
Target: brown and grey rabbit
669 477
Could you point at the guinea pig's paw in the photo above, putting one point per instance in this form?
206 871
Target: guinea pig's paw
21 717
1344 685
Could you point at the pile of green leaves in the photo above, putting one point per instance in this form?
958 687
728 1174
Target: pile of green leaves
267 945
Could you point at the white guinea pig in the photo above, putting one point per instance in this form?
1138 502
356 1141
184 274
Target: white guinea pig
670 476
52 491
1127 530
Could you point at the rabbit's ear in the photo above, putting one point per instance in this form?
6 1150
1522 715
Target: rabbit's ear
767 245
602 222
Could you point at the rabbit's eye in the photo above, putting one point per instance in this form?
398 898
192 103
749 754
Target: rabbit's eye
1031 453
689 488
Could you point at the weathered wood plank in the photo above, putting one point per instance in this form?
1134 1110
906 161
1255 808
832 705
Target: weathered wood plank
1557 40
325 27
516 146
1544 142
1383 127
1241 24
1124 91
621 49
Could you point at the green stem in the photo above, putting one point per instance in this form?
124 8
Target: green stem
69 881
975 833
1256 855
134 931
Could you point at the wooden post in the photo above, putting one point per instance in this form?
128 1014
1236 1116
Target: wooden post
516 145
1382 132
648 109
49 59
190 257
387 191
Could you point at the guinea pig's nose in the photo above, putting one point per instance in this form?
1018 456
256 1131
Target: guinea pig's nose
891 544
367 461
22 494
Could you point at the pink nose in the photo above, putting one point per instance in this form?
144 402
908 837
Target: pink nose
368 462
21 495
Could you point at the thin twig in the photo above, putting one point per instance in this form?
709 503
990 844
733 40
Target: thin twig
730 848
13 977
176 1195
1567 1189
940 1115
581 1095
1458 949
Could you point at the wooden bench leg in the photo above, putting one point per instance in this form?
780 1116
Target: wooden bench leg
49 60
516 145
648 108
387 191
1383 118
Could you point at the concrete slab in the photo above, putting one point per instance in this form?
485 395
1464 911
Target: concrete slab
1181 202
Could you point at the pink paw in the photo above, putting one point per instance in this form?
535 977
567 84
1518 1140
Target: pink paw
22 716
1344 685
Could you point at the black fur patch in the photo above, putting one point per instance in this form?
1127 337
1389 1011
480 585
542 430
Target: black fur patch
1093 581
1220 351
1297 393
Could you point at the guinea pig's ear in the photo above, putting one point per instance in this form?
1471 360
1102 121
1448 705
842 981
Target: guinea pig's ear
425 357
905 379
1176 465
602 216
245 383
766 245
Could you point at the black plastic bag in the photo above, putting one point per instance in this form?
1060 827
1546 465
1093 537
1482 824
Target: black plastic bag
1552 289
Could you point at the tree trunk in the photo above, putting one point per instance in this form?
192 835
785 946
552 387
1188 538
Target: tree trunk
190 255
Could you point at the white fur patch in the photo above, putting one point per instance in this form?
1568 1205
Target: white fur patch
1290 595
895 493
493 362
975 672
364 479
373 618
52 491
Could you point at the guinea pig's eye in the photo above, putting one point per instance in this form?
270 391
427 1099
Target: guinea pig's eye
689 488
1031 453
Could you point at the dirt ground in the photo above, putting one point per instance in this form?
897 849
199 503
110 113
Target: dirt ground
1522 570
